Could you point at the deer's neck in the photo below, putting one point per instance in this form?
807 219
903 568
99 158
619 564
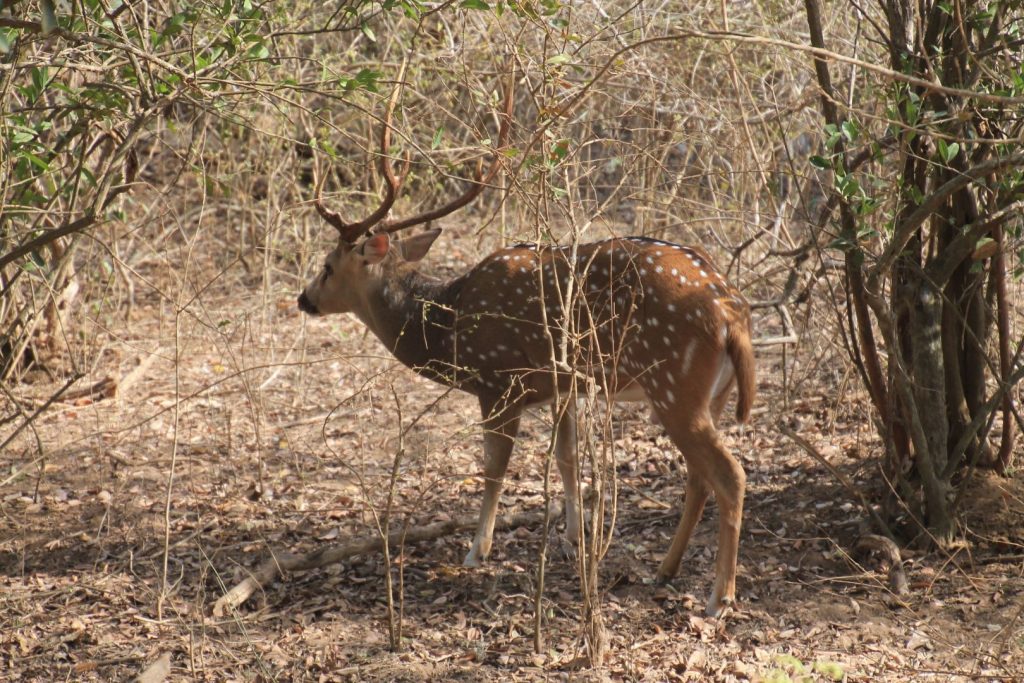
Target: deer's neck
412 315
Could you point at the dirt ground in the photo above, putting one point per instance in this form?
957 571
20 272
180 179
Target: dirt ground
280 432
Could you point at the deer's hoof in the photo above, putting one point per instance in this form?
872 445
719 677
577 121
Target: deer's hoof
718 608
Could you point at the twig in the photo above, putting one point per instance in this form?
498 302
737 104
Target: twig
813 452
897 577
333 554
50 401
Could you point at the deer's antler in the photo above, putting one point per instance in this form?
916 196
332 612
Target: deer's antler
352 231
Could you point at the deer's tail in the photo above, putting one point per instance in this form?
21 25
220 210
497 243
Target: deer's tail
741 353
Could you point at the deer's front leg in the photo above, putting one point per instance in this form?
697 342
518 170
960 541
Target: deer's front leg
566 458
500 427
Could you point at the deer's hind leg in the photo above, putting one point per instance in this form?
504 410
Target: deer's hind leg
697 492
710 467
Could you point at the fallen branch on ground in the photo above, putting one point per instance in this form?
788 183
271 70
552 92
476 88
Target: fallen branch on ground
810 450
283 561
885 546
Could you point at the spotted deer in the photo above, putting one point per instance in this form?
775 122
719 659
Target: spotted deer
654 321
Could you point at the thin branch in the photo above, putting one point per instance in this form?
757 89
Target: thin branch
808 448
333 554
931 203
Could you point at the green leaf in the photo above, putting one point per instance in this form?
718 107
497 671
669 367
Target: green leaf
833 135
951 151
820 162
7 36
37 161
367 78
848 186
788 661
436 142
559 59
258 51
368 32
40 75
49 16
23 135
851 130
560 150
474 4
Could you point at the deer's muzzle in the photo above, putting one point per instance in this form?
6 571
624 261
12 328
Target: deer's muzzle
306 306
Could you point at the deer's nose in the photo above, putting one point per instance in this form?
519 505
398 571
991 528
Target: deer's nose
306 306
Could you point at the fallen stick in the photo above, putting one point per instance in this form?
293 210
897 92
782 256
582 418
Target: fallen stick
280 562
885 546
810 450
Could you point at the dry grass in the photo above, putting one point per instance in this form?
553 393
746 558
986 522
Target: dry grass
241 426
282 432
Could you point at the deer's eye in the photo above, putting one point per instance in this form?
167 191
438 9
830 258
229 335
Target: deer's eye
328 271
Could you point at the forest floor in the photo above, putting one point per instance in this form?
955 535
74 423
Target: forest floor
281 432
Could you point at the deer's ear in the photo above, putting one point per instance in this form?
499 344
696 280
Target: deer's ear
416 247
375 248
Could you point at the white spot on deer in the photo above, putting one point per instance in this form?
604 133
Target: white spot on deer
671 308
691 348
649 260
657 252
675 271
658 269
646 344
671 397
653 322
666 340
643 271
671 327
682 279
703 274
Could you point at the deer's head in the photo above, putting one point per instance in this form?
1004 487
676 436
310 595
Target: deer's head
353 272
360 263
